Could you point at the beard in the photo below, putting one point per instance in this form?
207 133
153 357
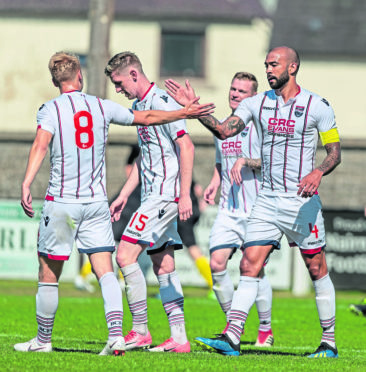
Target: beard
280 81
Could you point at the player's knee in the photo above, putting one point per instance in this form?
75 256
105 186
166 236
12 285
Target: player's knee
250 267
124 259
315 271
217 265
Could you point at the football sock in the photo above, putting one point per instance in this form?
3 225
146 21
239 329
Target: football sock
243 299
136 296
224 290
171 294
203 267
113 309
325 302
46 307
263 302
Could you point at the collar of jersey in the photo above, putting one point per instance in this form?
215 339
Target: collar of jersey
147 92
72 91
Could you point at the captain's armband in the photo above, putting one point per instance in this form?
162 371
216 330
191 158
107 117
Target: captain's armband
329 137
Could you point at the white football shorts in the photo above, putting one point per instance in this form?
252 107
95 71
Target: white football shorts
89 225
154 224
228 231
300 219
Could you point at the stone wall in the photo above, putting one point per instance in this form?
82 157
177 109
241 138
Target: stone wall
344 188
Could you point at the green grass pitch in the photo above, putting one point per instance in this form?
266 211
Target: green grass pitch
80 334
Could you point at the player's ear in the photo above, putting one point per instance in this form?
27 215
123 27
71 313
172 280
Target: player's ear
293 68
133 74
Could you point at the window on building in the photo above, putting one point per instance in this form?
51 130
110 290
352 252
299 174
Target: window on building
182 53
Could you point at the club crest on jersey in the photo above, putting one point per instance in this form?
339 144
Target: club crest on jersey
144 134
299 110
164 98
244 132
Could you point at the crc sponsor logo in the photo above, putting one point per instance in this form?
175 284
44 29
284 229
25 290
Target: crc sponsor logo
281 127
269 108
299 110
144 134
231 148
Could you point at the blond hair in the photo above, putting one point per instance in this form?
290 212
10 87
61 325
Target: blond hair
122 60
63 66
247 76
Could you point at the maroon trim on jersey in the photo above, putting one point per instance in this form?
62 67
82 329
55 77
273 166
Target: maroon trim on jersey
93 160
105 139
298 90
62 151
77 193
272 146
49 198
250 153
303 137
162 160
286 147
176 200
151 170
181 133
143 97
232 186
71 91
39 126
260 125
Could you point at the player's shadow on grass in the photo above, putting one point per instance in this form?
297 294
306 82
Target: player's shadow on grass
264 351
61 350
64 350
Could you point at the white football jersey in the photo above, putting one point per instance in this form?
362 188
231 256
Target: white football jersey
79 124
289 135
239 198
160 157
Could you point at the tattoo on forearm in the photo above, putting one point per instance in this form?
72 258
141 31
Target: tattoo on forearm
230 127
332 159
253 163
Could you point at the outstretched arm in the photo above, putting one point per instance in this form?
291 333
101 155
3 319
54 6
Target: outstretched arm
310 183
35 159
229 128
191 110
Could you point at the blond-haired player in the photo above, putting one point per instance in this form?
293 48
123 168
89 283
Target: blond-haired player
165 167
75 126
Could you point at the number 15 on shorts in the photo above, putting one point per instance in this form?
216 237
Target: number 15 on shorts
140 222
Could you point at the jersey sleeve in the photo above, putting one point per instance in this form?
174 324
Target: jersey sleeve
117 114
164 102
45 119
324 116
243 111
